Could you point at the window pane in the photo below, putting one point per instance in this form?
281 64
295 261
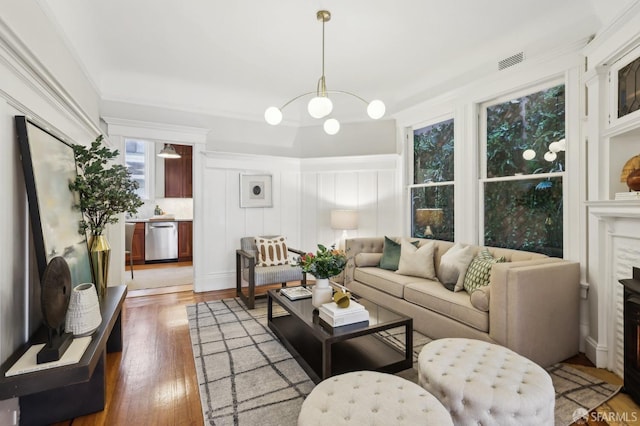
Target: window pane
135 161
520 134
524 214
433 153
432 207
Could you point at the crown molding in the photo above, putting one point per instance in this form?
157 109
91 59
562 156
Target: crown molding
153 130
32 71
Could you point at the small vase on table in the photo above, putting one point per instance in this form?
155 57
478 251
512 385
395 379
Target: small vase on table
321 292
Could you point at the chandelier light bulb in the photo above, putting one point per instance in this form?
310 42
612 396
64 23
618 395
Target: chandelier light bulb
562 143
529 154
320 107
550 156
273 116
331 126
554 146
376 109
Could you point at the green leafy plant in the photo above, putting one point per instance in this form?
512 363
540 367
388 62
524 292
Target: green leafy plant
325 263
105 189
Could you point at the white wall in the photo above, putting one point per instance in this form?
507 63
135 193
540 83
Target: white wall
304 192
30 86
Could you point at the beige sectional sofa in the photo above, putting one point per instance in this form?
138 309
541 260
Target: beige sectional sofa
531 305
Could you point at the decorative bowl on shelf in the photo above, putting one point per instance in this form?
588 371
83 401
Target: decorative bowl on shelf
633 180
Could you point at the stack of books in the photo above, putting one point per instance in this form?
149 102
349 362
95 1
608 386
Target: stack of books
335 316
631 195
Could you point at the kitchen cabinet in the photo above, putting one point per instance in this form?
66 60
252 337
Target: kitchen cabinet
137 246
178 174
185 241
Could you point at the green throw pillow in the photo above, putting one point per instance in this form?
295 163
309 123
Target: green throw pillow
391 254
479 270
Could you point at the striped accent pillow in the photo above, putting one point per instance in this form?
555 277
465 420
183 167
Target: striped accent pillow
272 251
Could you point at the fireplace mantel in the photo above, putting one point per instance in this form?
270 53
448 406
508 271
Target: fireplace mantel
614 209
613 249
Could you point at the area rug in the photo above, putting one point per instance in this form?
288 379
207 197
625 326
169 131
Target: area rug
159 277
247 377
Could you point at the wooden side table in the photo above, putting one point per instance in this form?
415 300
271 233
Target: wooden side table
62 393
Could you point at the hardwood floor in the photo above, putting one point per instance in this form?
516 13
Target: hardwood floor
153 380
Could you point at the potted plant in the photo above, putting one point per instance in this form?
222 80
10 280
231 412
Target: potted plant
326 263
105 190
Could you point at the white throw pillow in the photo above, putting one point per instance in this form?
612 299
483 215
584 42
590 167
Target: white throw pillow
453 266
272 251
417 261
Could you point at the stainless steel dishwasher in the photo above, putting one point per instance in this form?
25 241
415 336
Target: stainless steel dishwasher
160 241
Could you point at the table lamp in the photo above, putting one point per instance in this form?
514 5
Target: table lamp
429 217
344 220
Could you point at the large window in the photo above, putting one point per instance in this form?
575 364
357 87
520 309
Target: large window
136 159
432 189
524 165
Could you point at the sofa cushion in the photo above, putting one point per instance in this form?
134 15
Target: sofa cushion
368 259
383 280
479 271
453 266
272 251
480 298
417 262
455 305
391 254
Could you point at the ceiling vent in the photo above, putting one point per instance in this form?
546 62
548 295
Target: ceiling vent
511 61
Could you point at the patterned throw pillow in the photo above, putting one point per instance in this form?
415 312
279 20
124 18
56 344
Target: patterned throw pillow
272 251
479 270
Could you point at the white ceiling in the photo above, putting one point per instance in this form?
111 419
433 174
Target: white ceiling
236 57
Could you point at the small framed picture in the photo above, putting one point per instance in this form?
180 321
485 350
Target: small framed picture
255 190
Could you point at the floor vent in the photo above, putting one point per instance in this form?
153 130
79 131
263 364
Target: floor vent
511 61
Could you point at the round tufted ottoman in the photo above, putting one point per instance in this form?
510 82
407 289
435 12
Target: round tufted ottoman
371 398
485 384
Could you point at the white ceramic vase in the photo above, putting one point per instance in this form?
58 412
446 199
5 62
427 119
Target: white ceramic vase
321 292
83 315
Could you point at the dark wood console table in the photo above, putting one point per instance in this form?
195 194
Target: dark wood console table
62 393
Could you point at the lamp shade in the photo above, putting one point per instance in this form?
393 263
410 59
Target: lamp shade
331 126
168 152
320 106
344 219
376 109
428 217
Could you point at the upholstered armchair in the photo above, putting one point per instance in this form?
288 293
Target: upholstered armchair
264 260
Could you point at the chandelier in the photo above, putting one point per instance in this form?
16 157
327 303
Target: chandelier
320 106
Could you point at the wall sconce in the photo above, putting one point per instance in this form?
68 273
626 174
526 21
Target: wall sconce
344 220
429 217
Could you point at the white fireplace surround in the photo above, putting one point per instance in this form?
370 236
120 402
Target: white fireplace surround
614 249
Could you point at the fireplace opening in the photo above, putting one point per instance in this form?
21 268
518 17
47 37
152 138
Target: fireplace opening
631 300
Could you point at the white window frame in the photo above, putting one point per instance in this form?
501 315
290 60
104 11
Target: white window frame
409 131
482 128
149 166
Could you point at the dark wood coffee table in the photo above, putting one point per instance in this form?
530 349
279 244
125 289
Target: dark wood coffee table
324 352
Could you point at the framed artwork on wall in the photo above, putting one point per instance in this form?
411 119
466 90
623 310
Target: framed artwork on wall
255 190
49 166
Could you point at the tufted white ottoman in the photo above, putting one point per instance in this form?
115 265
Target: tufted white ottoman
485 384
371 398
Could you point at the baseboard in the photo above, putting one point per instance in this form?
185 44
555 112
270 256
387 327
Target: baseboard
214 281
597 354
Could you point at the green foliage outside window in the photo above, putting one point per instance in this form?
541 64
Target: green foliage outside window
433 148
525 214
